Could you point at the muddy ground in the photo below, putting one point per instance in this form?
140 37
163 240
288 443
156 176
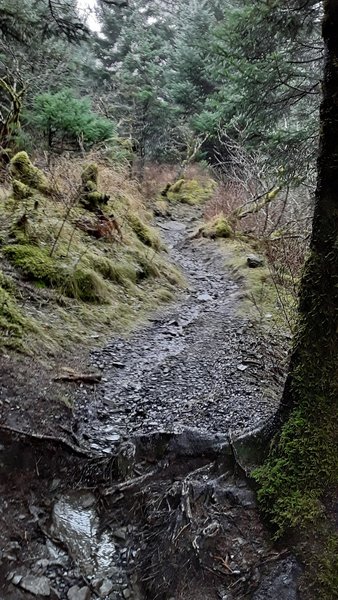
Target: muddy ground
160 505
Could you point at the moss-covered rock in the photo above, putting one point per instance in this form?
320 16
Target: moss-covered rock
23 171
92 287
90 174
189 191
161 208
21 191
121 272
176 187
218 227
84 284
147 268
90 198
33 263
36 265
147 235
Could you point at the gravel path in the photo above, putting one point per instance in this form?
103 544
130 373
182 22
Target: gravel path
170 515
196 365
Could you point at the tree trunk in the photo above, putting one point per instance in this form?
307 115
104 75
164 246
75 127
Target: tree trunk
317 339
302 467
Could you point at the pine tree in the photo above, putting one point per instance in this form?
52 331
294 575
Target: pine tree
42 47
191 79
268 74
134 56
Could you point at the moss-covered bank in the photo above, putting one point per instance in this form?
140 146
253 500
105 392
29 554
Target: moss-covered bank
80 269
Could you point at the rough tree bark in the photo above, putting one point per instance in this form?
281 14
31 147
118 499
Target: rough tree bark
302 468
318 332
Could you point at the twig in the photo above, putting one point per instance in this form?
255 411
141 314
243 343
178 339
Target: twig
224 562
79 377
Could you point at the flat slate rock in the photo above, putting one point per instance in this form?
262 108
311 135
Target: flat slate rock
38 586
77 593
281 583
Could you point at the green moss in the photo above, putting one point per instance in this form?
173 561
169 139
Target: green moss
190 191
161 208
147 235
147 266
89 175
262 300
164 295
12 321
302 468
84 284
10 317
291 480
151 265
219 227
7 283
91 186
326 568
120 272
176 187
304 461
91 286
35 264
24 171
21 191
272 195
294 481
91 198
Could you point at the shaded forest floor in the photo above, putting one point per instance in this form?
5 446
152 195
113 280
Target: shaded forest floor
160 507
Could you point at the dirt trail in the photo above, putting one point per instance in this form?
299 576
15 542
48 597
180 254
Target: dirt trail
198 364
164 509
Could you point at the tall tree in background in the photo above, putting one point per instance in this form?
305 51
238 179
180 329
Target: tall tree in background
191 79
303 466
268 59
134 56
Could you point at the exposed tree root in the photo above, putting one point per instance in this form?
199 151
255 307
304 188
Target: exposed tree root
63 440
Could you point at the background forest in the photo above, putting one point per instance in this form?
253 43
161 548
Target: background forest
229 82
231 85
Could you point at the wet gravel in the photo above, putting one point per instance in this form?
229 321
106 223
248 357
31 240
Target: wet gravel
197 364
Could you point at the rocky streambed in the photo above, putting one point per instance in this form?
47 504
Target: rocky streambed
162 506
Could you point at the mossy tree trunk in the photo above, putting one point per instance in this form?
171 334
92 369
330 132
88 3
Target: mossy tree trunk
303 463
318 335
